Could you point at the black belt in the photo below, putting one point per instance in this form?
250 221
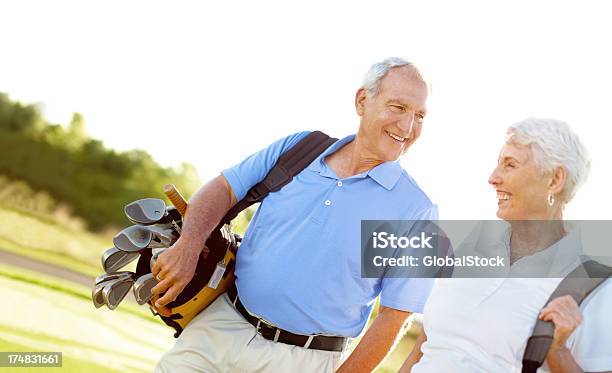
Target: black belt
272 333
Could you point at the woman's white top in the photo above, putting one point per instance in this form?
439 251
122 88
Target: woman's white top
482 324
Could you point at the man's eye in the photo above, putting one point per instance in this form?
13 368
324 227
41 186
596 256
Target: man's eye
397 108
420 116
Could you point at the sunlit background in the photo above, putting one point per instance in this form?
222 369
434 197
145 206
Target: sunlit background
210 82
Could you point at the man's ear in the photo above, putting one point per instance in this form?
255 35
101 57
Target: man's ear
557 180
360 98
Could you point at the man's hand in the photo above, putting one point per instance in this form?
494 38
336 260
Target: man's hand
173 269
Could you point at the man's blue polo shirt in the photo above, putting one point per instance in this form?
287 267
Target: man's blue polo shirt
299 265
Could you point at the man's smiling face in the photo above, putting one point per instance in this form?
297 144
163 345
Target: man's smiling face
391 120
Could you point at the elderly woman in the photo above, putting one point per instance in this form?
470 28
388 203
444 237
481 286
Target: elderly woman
482 324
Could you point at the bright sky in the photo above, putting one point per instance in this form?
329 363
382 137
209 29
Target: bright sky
211 82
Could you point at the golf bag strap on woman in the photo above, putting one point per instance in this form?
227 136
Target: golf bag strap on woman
581 282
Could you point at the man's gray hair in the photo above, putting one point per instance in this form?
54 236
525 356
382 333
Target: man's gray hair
554 144
376 73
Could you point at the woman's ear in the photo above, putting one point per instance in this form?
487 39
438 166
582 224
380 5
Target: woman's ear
557 180
360 98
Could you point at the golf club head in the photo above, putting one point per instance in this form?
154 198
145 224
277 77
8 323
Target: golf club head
156 254
115 290
142 288
163 236
146 211
96 295
114 259
172 216
133 239
111 276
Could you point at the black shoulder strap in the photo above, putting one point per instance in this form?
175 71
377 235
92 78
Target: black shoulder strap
579 284
291 163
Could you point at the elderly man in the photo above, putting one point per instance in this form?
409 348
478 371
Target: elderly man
298 269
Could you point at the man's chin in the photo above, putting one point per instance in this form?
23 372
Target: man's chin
395 153
392 158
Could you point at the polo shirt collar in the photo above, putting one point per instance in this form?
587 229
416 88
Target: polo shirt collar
386 174
567 252
559 259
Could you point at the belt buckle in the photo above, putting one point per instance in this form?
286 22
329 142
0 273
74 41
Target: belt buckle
261 322
264 322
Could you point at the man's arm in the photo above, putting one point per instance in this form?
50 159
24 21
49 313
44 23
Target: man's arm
377 341
416 353
177 264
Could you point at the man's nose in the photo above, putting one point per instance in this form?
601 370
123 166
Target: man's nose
406 123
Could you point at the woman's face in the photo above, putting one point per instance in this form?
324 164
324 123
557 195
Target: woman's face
521 188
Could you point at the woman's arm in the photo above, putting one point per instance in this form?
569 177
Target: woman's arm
566 316
415 354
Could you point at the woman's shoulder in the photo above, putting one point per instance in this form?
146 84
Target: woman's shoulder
600 300
597 308
591 342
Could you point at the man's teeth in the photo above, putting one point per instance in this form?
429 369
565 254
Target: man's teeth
395 137
503 196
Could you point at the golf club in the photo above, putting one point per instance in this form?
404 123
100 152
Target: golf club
133 239
115 290
163 234
111 276
96 295
156 254
142 288
114 259
149 211
146 211
138 237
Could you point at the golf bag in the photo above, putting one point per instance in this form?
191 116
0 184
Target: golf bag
214 272
581 282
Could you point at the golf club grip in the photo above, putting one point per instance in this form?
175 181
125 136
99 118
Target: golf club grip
176 198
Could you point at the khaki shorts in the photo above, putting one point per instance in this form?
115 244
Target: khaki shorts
219 339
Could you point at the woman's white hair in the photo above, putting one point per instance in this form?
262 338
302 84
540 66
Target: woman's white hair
376 73
554 144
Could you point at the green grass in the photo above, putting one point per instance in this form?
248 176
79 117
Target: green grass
66 287
69 364
43 239
42 315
